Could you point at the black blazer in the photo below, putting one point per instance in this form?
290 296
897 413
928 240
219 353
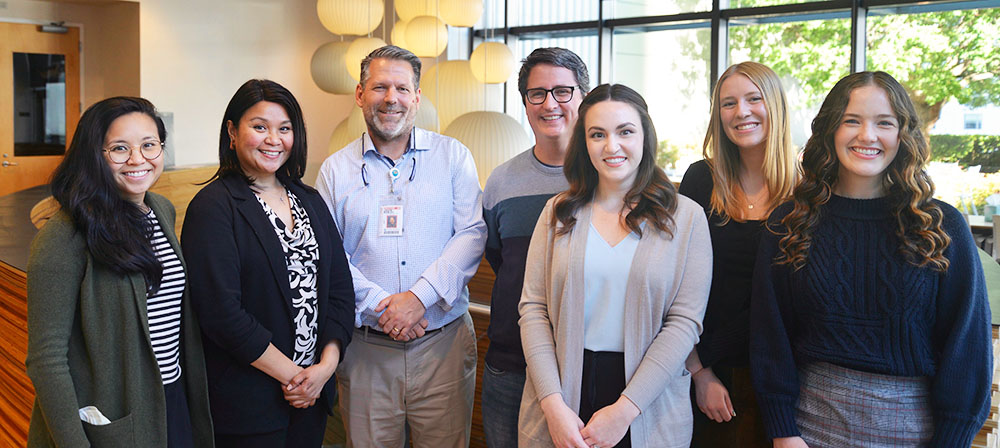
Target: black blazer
238 283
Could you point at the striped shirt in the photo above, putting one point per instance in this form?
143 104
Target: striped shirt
164 307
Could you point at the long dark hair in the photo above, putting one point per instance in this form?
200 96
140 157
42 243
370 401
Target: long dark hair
908 188
652 195
116 230
250 93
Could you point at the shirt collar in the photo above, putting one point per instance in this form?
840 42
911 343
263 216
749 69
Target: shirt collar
419 141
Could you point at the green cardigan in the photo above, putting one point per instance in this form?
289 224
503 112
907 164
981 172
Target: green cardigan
89 345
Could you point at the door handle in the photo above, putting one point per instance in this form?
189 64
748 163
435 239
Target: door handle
6 163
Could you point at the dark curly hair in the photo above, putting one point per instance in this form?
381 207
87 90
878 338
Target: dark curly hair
908 188
652 196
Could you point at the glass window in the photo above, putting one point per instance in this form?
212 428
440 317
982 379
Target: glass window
752 3
809 56
544 12
973 121
39 104
617 9
949 62
671 70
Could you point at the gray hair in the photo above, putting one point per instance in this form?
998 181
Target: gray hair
559 57
394 53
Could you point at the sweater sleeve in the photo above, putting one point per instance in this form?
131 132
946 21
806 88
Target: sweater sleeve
55 272
536 328
682 321
960 388
773 370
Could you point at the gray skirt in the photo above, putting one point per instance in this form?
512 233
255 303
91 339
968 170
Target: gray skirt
841 407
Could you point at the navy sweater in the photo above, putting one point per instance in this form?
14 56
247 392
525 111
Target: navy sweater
514 196
858 304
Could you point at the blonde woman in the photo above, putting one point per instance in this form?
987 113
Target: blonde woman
750 167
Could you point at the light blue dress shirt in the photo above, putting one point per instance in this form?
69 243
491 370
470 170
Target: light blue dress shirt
443 229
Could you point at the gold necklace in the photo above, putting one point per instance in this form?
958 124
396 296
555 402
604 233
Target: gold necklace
751 204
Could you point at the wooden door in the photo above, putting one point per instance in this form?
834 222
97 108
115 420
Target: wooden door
20 168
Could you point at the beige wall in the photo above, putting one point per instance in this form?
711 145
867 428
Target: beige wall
195 54
189 56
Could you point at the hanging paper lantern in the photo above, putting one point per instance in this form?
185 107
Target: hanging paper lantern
461 12
354 125
492 62
348 130
408 9
427 36
492 137
398 36
453 89
358 50
329 71
354 17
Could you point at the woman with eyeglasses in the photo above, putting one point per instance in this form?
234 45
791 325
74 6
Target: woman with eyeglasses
270 281
750 167
615 286
114 350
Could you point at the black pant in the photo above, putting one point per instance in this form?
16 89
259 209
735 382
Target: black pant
305 429
179 432
603 382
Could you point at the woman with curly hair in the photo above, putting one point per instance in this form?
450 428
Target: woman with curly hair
750 167
615 287
871 325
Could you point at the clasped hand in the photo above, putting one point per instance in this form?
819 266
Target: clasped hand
306 386
403 319
605 429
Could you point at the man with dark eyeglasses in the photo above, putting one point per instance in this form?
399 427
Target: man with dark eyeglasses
552 82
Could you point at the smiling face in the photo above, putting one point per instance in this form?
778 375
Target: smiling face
388 100
136 175
551 119
866 142
742 112
614 137
262 139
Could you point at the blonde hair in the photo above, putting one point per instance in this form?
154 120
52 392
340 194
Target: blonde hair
781 169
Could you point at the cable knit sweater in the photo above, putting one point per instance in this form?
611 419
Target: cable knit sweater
858 304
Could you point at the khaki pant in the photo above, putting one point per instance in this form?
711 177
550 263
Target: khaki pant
429 383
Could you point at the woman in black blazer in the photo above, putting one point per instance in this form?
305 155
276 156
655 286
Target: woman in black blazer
269 279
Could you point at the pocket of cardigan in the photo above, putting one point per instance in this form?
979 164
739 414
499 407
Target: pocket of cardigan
118 433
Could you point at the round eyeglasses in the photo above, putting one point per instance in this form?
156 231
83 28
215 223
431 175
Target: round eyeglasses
121 152
562 94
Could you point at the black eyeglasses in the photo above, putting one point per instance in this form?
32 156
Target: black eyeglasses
121 152
562 94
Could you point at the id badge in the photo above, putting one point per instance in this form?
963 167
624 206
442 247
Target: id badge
390 220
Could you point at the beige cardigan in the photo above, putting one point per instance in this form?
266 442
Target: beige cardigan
667 293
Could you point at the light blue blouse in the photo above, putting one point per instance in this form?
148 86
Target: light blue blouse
605 276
